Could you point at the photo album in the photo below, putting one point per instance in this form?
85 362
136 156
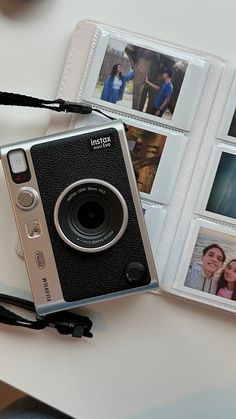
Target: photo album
178 106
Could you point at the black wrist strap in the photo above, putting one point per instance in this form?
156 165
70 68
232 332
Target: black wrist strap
58 105
65 322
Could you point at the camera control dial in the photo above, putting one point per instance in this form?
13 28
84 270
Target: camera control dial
26 198
135 271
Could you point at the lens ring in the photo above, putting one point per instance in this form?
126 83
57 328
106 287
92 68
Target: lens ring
106 232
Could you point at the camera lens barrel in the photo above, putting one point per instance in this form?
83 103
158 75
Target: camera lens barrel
90 215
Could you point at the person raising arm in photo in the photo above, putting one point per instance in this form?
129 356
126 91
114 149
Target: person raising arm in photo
201 275
114 85
226 286
163 96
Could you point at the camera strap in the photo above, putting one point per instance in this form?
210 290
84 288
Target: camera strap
65 322
58 105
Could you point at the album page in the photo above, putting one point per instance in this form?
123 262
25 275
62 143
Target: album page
178 106
204 251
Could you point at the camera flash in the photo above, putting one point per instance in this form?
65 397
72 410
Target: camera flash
17 161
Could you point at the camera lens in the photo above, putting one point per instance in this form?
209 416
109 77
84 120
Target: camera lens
90 215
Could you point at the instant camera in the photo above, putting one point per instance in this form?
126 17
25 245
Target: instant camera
79 217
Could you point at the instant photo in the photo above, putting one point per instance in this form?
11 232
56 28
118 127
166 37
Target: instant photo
227 128
156 155
145 81
222 199
218 194
130 63
232 128
209 267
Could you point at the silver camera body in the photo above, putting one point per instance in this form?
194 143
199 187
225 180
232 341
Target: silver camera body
79 217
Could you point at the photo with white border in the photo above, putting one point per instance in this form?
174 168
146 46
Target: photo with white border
217 198
227 127
208 266
156 154
186 72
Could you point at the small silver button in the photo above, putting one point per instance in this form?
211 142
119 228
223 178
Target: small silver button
26 198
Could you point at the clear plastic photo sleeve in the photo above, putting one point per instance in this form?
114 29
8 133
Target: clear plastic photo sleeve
155 218
144 78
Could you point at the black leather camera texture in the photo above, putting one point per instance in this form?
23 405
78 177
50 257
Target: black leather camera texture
59 163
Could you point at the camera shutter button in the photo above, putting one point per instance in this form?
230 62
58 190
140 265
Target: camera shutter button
135 271
26 198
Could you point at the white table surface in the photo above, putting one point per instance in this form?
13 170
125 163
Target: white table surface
151 356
